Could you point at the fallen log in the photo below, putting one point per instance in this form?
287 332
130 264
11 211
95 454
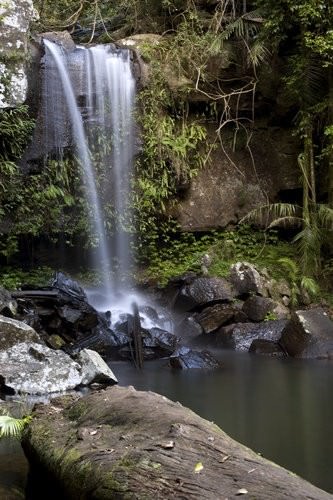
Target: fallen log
120 443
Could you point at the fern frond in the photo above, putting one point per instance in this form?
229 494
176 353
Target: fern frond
325 216
290 265
310 286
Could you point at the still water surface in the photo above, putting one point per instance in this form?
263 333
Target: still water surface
282 409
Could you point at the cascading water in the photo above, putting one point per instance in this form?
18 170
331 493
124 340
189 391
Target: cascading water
97 99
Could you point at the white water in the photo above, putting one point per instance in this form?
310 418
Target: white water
102 130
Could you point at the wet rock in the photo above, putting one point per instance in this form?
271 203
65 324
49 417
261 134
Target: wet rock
8 305
62 38
256 307
161 340
184 358
212 318
188 329
69 286
13 332
32 368
267 348
204 291
240 336
94 369
246 279
309 334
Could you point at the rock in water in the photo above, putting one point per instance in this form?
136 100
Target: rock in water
241 335
309 334
94 369
185 358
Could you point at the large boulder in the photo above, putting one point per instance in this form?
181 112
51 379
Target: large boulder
227 188
204 291
122 443
13 332
241 335
32 368
309 334
15 16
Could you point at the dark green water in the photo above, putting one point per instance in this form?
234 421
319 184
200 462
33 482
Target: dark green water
282 409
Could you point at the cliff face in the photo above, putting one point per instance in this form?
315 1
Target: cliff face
15 17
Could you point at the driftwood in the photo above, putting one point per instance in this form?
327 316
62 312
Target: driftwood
123 444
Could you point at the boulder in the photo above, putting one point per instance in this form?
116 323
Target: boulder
246 279
13 332
309 334
121 443
32 368
212 318
241 335
267 348
68 286
204 291
94 369
256 307
184 358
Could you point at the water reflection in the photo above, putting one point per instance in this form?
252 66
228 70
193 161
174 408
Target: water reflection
280 408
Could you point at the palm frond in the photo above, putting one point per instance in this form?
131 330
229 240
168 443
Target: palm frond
258 53
274 211
309 241
245 26
12 427
286 221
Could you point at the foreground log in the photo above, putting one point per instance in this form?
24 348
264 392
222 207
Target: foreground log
122 443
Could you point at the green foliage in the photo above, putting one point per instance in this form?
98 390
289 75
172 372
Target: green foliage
12 427
214 252
13 278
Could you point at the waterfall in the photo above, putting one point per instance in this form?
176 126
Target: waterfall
98 89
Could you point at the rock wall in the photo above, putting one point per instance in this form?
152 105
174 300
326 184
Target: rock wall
15 17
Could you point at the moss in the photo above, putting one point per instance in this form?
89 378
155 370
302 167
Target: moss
76 411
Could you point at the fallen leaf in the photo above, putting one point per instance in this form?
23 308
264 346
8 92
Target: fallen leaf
92 433
167 445
225 458
198 467
242 491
